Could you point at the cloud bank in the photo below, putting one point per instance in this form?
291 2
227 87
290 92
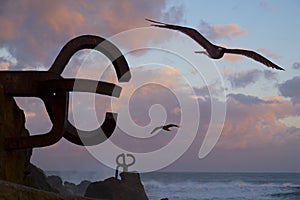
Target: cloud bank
221 31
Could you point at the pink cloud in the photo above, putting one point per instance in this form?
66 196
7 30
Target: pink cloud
8 29
229 30
221 31
4 65
268 53
232 57
30 114
65 20
252 122
36 30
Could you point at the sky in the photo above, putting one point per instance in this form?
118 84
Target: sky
253 109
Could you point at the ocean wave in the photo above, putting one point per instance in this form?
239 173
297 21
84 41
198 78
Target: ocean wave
222 190
287 195
216 185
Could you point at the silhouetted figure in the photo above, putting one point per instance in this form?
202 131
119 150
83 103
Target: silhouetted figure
214 51
165 127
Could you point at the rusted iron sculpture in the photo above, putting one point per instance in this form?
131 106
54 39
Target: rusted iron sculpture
54 90
122 163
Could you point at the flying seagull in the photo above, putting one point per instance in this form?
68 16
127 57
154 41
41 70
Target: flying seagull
165 127
212 50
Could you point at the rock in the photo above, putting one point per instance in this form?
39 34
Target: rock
128 188
39 179
67 187
12 191
13 163
55 182
81 187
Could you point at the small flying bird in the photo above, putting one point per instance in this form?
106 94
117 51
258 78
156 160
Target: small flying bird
212 50
165 127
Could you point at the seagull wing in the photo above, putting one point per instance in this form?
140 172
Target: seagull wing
155 129
254 56
172 125
194 34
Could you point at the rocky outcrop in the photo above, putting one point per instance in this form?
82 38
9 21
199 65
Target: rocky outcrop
76 189
38 179
13 163
67 187
16 170
128 188
81 187
12 191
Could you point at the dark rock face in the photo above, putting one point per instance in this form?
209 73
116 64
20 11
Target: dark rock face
71 188
13 163
67 187
39 179
12 191
55 182
15 167
128 188
81 188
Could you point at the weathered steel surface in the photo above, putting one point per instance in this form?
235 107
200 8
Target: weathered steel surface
54 90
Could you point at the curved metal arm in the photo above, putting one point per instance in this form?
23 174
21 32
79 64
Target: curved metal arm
58 117
94 137
82 85
97 43
54 91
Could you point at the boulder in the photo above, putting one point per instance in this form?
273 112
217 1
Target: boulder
128 188
67 187
12 191
81 188
55 182
39 179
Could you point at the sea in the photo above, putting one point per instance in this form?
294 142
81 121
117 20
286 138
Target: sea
222 186
210 186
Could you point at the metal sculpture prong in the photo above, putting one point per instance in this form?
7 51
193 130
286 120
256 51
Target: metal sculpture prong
54 90
94 137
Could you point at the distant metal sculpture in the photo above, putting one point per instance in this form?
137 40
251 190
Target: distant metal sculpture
54 90
122 163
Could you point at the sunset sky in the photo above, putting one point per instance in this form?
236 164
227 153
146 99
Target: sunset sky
261 131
